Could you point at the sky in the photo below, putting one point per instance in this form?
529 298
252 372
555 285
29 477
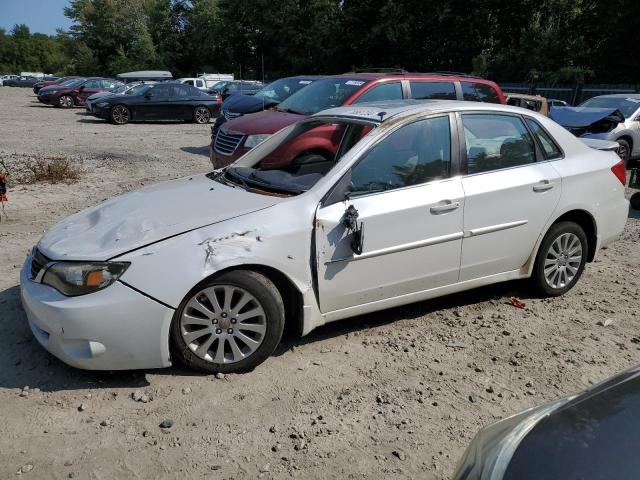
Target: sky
42 16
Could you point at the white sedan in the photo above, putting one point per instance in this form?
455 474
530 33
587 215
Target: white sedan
417 200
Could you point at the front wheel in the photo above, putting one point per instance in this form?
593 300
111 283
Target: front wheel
120 115
624 151
201 115
228 324
561 259
65 101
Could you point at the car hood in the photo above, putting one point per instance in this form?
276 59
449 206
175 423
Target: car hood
51 89
584 116
100 95
247 103
146 216
266 122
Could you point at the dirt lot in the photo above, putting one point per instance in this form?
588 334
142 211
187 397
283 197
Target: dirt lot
398 394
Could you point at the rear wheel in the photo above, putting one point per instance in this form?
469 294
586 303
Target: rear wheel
201 115
561 259
120 115
65 101
228 324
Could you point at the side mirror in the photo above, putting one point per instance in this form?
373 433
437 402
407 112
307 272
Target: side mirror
81 88
148 96
350 222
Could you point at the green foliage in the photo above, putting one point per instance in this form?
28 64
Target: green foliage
560 41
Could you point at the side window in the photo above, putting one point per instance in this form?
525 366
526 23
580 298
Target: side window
199 83
231 87
188 82
479 92
93 84
551 149
181 91
414 154
385 91
160 91
433 90
495 142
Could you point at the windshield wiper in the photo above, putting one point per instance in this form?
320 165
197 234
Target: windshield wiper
289 110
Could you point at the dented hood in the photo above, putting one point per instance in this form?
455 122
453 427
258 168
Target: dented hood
145 216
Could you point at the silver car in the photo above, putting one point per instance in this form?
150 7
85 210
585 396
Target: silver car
627 133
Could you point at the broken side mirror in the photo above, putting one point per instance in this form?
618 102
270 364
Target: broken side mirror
350 222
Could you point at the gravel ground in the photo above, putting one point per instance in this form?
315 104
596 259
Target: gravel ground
396 394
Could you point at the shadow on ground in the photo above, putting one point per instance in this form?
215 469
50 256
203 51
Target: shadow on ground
197 150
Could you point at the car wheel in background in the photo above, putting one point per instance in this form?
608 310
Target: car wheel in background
120 114
561 259
201 115
228 324
624 151
65 101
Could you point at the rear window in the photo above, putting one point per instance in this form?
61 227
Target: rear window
551 149
479 92
320 95
433 90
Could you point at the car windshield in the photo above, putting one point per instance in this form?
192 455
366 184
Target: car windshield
73 82
320 95
119 89
275 168
135 90
282 89
219 85
626 105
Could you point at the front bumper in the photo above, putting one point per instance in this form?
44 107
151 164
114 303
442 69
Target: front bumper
100 112
113 329
46 99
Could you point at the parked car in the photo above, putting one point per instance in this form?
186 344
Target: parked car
211 79
75 92
530 102
422 199
267 97
199 83
21 82
607 117
7 77
238 136
590 436
162 101
223 90
49 82
122 89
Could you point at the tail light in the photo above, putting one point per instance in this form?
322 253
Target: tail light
620 171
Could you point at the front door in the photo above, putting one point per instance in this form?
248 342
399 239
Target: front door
87 89
510 193
410 215
155 105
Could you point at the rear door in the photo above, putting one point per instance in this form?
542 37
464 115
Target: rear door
180 103
511 190
430 90
409 203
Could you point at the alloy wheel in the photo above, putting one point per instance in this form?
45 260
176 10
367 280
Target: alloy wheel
563 260
66 101
202 115
120 114
223 324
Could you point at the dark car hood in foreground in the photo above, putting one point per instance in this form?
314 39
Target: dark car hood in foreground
247 103
595 435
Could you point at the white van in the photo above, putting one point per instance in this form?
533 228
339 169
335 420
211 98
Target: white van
210 79
199 83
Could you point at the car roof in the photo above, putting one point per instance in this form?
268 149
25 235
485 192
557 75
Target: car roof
619 95
372 111
441 76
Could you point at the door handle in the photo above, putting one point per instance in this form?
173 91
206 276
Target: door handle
447 207
543 186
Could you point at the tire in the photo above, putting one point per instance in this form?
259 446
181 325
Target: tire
119 115
635 201
65 101
564 250
200 326
624 151
201 115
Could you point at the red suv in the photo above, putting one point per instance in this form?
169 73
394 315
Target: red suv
238 136
75 92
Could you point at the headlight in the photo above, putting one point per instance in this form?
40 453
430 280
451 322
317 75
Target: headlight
253 140
79 278
102 104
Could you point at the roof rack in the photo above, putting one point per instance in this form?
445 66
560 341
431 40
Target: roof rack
454 74
396 70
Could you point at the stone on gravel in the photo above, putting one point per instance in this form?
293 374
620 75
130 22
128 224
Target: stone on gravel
186 391
82 407
166 423
399 454
220 376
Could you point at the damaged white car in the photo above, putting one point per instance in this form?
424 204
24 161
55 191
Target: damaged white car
417 200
